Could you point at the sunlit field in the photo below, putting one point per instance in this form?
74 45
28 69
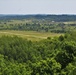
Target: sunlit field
30 35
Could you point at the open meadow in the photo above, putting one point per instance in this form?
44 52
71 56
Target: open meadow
30 35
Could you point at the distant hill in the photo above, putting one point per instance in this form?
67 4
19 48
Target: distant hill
57 18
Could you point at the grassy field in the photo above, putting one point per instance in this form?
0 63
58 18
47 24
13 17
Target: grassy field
30 35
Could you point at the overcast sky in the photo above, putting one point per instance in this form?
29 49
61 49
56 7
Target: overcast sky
37 6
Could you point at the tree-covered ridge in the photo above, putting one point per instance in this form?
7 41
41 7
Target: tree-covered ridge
53 56
57 18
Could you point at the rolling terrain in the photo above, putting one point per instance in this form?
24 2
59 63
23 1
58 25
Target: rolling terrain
37 45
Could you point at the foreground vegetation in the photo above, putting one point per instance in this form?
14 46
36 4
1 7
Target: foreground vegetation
55 56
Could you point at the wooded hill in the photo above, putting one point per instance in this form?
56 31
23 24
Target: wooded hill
55 56
57 18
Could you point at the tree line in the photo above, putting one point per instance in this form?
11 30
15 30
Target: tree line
55 27
57 18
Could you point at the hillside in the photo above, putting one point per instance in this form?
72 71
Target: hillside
37 45
55 56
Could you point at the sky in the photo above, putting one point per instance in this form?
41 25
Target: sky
37 6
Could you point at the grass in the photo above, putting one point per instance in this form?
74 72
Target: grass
30 35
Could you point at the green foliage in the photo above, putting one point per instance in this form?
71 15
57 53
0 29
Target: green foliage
52 56
46 67
61 38
12 68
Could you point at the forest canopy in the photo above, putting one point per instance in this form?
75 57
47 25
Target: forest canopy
55 56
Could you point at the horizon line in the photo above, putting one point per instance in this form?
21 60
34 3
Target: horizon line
36 14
